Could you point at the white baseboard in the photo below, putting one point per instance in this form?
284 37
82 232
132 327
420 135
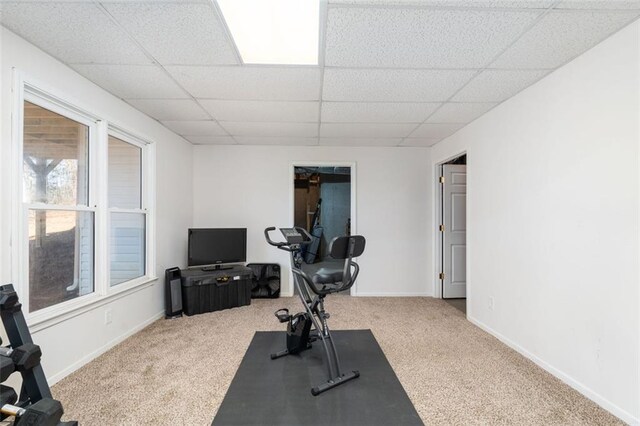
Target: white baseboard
395 294
586 391
374 294
93 355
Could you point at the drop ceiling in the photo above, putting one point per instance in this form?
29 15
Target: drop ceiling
391 73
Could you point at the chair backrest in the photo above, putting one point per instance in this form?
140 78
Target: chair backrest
339 246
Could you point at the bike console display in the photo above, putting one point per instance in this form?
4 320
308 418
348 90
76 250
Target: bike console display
292 235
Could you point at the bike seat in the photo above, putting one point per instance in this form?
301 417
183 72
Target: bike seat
327 276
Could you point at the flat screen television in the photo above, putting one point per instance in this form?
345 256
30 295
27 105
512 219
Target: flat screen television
215 246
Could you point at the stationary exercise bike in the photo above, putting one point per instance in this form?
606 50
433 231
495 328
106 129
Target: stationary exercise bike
300 334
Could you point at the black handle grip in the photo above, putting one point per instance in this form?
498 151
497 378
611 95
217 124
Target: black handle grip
269 240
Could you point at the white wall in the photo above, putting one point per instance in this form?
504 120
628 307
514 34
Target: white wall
250 186
73 342
553 222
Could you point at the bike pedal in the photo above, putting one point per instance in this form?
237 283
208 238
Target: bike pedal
282 315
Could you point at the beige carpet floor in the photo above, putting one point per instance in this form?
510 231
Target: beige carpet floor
177 371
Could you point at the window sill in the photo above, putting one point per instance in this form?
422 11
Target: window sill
56 314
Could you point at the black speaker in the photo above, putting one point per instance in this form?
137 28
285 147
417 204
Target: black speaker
172 293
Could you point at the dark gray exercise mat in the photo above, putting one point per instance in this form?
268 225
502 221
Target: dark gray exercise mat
278 392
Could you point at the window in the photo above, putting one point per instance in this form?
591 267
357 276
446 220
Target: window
86 207
127 218
56 195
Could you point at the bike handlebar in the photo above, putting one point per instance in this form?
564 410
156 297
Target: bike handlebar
285 245
269 240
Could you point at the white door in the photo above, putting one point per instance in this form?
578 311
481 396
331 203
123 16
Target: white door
453 230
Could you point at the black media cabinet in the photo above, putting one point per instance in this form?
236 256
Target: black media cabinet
213 290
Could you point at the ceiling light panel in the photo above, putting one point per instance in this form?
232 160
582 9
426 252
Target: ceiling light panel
269 111
177 34
170 109
498 85
274 31
195 128
271 129
250 83
560 36
416 37
460 112
385 85
366 130
73 33
376 112
133 81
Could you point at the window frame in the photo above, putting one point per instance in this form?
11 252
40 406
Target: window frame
146 201
35 92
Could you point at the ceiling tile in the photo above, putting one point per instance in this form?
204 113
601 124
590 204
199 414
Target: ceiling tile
273 111
436 130
599 4
392 85
211 140
195 128
451 3
132 81
73 33
427 38
460 112
271 129
177 34
256 140
380 112
250 82
360 141
498 85
420 141
366 130
170 109
561 36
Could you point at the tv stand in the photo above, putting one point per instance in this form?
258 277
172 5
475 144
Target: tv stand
208 291
216 268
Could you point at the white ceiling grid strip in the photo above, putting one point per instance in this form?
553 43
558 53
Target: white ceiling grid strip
322 51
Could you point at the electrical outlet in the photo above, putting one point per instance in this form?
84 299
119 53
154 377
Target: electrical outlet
491 304
108 316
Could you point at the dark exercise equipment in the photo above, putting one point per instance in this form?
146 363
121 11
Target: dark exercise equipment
35 406
300 333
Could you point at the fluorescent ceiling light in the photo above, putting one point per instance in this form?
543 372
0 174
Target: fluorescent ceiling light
274 31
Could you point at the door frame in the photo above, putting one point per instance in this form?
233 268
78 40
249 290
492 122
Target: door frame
354 222
437 220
